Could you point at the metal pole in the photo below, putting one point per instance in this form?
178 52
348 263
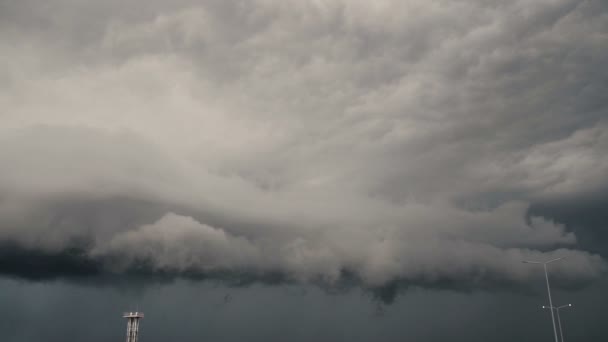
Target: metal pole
550 302
135 330
559 323
128 329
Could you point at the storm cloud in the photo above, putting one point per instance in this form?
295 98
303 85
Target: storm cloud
422 141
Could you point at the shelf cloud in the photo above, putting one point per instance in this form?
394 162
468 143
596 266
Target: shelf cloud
385 141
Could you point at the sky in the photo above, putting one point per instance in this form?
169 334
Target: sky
302 169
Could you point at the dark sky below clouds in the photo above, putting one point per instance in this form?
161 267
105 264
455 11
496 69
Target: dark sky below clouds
55 311
306 170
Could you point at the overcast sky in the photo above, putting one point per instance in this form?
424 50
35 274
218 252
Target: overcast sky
344 165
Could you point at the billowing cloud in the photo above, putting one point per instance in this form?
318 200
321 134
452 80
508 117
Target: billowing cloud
383 140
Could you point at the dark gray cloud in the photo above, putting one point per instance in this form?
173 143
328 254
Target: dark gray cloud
583 213
427 142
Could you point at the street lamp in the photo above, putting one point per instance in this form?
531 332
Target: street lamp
544 263
559 320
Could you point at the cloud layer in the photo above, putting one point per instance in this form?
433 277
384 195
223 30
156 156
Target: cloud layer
386 140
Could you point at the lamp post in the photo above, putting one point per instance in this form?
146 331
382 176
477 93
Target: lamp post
559 320
544 263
